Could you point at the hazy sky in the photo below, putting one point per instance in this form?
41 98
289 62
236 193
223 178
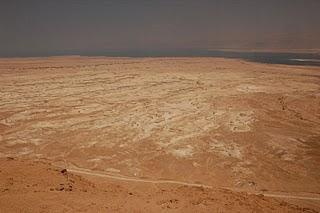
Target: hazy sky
35 27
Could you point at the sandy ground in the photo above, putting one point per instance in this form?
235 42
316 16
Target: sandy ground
29 186
183 123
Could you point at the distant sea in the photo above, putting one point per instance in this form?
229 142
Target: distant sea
311 59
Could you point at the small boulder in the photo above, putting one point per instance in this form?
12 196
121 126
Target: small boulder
64 171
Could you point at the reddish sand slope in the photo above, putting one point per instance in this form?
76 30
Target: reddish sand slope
33 186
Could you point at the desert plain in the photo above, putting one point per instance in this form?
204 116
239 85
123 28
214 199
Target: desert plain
102 134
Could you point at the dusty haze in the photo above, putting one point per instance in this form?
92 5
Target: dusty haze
46 27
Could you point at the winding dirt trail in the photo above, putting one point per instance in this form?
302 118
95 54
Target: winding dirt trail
286 195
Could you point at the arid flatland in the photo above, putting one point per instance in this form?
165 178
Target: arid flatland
223 123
